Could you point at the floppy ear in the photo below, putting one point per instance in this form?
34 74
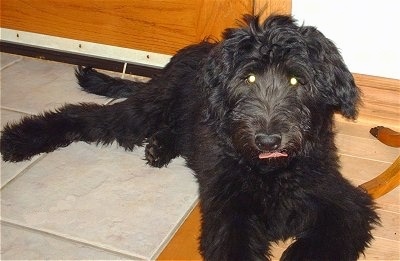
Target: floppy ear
223 61
213 79
332 75
225 57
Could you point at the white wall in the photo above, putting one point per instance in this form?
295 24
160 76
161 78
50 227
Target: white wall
367 32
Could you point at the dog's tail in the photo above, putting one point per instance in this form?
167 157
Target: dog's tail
98 83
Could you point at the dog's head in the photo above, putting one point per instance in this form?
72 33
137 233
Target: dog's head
274 84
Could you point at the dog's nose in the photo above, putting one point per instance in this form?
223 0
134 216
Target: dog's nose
268 142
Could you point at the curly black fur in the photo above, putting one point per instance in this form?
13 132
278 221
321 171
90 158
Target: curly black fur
252 116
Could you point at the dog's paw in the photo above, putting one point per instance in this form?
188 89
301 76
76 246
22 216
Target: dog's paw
156 153
160 149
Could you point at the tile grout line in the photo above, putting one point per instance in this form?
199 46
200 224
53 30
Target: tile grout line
24 170
16 110
172 233
73 239
107 101
11 63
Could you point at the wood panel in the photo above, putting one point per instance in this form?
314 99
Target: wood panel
184 244
267 7
161 26
381 100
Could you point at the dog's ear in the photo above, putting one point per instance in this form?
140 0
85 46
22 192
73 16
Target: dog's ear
332 75
212 77
223 61
236 43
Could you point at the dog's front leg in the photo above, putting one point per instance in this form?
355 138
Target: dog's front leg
342 229
119 122
231 227
232 236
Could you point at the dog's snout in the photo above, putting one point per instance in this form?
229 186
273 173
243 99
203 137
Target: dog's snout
268 142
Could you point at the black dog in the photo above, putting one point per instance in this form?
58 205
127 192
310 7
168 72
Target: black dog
252 116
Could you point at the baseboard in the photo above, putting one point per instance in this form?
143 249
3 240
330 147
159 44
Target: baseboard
79 59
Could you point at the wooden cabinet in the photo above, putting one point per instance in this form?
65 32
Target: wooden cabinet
160 26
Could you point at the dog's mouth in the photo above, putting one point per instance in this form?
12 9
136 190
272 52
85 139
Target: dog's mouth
272 155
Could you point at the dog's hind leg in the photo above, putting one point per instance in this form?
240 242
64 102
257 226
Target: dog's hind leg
98 83
121 122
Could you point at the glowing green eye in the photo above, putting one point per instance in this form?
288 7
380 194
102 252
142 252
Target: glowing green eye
293 81
251 78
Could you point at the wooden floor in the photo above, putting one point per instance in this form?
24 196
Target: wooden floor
362 158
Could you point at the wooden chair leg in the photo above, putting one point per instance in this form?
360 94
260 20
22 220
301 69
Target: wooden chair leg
390 178
385 182
386 136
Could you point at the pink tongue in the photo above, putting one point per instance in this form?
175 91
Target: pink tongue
269 155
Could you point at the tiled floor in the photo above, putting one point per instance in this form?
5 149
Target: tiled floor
83 201
88 202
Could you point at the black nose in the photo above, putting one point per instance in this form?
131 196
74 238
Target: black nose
268 142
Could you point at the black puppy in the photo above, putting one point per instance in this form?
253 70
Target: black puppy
252 116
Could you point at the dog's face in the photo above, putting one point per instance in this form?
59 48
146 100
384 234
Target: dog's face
274 85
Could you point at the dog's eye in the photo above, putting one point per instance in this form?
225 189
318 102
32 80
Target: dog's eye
251 78
293 81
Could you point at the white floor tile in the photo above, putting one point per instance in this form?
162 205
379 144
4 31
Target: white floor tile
24 244
102 195
10 170
33 85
